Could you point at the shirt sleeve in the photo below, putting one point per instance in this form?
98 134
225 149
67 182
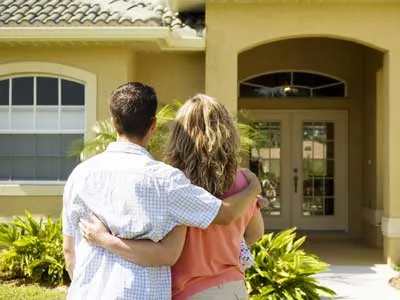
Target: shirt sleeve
190 205
71 212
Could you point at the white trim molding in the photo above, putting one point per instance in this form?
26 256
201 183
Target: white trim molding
33 189
391 227
167 39
373 216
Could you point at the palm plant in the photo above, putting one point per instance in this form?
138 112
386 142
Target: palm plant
104 134
282 270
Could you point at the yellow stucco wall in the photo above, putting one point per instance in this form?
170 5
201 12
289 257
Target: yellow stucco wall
335 58
175 76
369 24
269 22
110 64
40 206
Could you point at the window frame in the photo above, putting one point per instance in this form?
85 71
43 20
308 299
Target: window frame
43 69
59 107
292 84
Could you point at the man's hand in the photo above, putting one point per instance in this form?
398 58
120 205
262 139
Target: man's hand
262 202
236 205
94 232
252 179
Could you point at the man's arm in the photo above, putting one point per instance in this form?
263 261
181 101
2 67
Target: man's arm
193 206
142 252
235 206
69 254
70 221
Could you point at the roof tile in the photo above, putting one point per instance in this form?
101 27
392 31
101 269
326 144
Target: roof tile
88 13
27 18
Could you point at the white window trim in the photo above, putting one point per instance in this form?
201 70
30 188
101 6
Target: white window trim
11 188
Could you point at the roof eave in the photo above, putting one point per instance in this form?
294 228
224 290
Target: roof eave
186 5
167 39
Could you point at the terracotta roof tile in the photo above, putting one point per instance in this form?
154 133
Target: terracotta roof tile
90 13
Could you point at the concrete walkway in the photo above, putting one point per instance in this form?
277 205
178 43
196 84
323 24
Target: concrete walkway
360 282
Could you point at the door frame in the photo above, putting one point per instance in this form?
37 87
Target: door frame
288 118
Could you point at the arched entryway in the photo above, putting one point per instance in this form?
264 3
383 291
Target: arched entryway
316 101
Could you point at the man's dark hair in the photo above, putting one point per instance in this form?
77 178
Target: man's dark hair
133 107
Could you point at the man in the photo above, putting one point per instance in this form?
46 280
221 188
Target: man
137 198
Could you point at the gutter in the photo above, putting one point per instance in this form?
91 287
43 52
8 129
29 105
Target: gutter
167 39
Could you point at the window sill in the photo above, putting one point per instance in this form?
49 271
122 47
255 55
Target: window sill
31 188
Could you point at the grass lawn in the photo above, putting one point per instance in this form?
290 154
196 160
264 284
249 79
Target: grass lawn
11 291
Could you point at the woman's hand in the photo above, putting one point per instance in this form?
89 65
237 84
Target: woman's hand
94 232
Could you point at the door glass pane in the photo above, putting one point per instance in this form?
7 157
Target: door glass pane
265 161
318 169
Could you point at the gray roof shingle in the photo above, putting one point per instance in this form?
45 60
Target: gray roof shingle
59 13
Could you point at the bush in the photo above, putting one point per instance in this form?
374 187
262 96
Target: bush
33 250
283 271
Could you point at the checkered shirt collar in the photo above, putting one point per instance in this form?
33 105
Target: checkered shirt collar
126 147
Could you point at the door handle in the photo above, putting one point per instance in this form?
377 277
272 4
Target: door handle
295 179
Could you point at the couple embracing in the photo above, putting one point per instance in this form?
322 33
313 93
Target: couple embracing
139 229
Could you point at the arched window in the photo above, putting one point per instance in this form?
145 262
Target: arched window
40 116
293 84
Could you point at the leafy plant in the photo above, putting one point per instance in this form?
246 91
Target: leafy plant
104 134
33 250
396 268
283 271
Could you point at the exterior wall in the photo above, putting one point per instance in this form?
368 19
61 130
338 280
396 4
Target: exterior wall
335 58
110 64
265 23
372 202
270 22
111 67
39 206
175 76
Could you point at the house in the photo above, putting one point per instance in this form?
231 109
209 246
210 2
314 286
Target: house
319 78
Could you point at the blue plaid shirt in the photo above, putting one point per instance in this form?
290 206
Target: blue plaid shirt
137 197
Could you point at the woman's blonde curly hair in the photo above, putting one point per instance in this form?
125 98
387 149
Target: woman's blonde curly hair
204 143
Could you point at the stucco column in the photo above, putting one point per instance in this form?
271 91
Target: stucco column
390 132
221 72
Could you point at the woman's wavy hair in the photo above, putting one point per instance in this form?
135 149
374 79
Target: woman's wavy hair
204 143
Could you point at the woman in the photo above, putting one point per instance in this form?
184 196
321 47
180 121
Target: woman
204 143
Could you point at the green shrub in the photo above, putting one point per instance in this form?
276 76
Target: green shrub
33 250
396 268
283 271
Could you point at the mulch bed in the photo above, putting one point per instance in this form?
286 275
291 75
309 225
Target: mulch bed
395 282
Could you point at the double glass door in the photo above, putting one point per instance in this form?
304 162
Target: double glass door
301 160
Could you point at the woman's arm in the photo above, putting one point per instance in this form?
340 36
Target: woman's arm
69 254
141 252
255 229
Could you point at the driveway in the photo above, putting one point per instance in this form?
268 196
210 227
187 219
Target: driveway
360 282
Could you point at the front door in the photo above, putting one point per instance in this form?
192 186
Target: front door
301 160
